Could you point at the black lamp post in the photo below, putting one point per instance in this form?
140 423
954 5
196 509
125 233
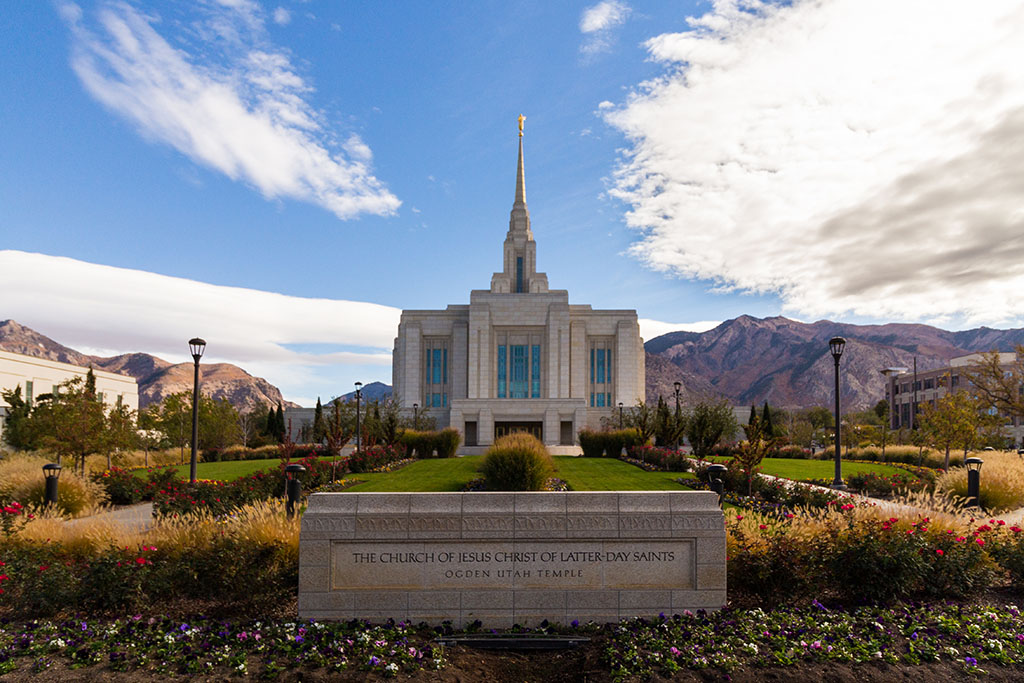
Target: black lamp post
620 414
52 473
678 386
974 481
293 487
836 346
359 395
196 346
416 416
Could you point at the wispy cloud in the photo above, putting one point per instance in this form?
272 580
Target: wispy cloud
851 156
282 17
232 102
598 22
117 310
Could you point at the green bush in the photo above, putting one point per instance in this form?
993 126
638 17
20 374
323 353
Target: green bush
517 462
445 442
596 444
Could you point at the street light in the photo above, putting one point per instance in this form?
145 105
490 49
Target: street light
196 346
678 386
52 474
974 481
836 346
416 416
359 395
620 414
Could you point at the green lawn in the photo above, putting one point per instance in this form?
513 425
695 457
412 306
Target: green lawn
818 469
452 474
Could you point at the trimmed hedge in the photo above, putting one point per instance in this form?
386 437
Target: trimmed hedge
423 444
596 444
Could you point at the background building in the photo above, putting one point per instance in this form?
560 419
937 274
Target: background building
38 376
519 357
906 395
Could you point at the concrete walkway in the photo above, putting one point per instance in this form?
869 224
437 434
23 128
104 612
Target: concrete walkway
133 517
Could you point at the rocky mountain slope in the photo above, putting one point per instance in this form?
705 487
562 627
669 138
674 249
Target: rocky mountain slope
787 363
157 378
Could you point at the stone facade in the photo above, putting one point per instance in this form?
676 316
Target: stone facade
510 558
519 356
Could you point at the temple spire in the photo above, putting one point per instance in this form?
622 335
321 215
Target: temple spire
520 200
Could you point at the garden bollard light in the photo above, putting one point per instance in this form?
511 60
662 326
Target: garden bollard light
293 487
52 474
974 481
715 473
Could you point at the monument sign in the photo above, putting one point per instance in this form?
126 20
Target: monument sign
507 558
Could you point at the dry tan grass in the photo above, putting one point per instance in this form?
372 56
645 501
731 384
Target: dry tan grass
1002 481
259 523
21 480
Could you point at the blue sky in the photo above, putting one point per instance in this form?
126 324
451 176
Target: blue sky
281 178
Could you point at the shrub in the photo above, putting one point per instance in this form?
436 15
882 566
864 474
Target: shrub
791 452
665 459
596 444
375 457
517 462
239 452
445 442
21 479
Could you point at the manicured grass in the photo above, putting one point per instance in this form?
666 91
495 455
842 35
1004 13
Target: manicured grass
452 474
444 474
818 469
224 471
609 474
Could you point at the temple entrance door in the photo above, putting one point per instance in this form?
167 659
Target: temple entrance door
503 428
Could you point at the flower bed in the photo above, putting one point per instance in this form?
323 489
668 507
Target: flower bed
217 648
658 459
732 640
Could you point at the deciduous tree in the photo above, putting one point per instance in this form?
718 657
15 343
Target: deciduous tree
707 423
952 421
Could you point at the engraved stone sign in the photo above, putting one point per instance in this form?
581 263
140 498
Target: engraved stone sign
505 558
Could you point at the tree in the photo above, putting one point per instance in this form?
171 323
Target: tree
998 385
339 429
17 433
218 423
753 425
71 423
279 426
640 417
707 423
820 417
882 411
122 432
766 421
319 427
248 426
176 420
952 421
752 451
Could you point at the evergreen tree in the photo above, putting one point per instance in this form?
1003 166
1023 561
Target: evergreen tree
90 383
279 428
766 421
753 425
663 433
17 434
319 427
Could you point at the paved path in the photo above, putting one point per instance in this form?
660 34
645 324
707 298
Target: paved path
135 517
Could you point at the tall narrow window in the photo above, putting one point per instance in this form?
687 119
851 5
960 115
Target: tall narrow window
28 392
435 373
601 374
502 370
535 371
519 360
519 274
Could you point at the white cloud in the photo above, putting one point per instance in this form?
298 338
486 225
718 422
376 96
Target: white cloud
282 16
598 22
851 156
649 329
117 310
249 116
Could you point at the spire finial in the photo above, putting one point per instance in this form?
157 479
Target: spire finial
520 200
521 119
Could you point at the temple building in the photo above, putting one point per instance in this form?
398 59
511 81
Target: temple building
519 356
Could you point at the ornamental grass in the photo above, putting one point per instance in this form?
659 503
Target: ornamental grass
21 479
517 462
1002 481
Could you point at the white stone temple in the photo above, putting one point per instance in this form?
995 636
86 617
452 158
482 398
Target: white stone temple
519 357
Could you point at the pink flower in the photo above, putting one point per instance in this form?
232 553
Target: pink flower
980 541
938 551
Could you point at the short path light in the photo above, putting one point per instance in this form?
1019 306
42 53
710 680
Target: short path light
974 480
715 474
293 487
52 473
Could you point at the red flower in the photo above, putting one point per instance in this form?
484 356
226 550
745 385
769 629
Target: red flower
980 542
763 526
939 552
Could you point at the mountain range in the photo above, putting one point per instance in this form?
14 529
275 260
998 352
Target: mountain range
787 363
157 378
747 360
